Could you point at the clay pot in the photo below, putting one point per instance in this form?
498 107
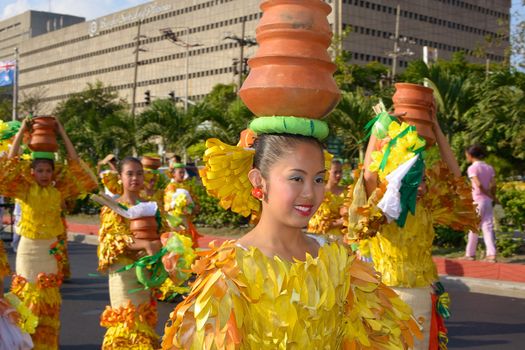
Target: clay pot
144 228
43 135
417 101
291 73
151 162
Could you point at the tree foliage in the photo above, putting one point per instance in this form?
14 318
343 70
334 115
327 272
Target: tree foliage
94 119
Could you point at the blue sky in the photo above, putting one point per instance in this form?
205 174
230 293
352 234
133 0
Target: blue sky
84 8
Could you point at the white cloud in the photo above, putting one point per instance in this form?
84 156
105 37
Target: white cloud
84 8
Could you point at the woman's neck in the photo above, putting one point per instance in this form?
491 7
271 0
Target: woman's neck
130 197
273 238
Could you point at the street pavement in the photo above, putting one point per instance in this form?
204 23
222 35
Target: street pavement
478 321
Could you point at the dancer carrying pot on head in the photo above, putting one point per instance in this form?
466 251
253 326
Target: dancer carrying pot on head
394 223
132 316
41 187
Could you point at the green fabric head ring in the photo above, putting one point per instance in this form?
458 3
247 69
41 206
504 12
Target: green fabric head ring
43 155
290 125
178 166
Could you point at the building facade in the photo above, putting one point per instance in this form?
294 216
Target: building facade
185 47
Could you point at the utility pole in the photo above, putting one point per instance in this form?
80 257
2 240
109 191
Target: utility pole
15 86
136 67
171 36
242 41
241 56
396 52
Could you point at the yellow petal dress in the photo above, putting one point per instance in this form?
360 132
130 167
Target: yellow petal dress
243 299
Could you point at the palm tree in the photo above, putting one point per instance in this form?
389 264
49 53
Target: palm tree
175 129
349 119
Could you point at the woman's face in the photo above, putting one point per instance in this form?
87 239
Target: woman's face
132 177
295 186
336 173
43 173
178 174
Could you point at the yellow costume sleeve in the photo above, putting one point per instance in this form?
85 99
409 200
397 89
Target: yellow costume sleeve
449 199
4 265
111 181
74 179
15 177
364 217
114 237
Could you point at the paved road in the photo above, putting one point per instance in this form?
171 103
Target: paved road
478 321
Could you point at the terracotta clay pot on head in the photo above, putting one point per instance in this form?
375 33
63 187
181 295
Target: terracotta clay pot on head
291 73
418 103
144 228
43 134
151 162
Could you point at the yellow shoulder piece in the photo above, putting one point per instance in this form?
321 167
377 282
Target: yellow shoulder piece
225 176
205 319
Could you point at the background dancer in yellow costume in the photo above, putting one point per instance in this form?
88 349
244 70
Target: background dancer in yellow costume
180 203
41 189
328 219
153 189
402 249
132 317
277 287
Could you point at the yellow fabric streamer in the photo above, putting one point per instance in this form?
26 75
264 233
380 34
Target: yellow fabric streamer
245 300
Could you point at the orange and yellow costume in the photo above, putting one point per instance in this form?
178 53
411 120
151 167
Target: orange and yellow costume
38 280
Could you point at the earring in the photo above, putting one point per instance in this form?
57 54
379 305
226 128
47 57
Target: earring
257 193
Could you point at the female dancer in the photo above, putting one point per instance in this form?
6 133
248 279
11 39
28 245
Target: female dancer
132 316
41 189
277 286
328 219
402 249
483 181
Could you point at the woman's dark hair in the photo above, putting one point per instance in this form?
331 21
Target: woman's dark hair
476 151
37 161
126 161
269 148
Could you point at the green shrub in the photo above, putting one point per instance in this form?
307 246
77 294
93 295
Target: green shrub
449 238
507 245
512 197
211 213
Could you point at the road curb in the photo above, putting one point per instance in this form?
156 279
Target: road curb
451 283
484 286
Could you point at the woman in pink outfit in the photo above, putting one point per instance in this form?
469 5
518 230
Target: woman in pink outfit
483 181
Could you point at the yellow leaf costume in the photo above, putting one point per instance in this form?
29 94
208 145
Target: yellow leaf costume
328 212
245 300
403 256
37 281
132 317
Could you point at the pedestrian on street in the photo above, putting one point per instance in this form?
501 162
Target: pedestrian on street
482 177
